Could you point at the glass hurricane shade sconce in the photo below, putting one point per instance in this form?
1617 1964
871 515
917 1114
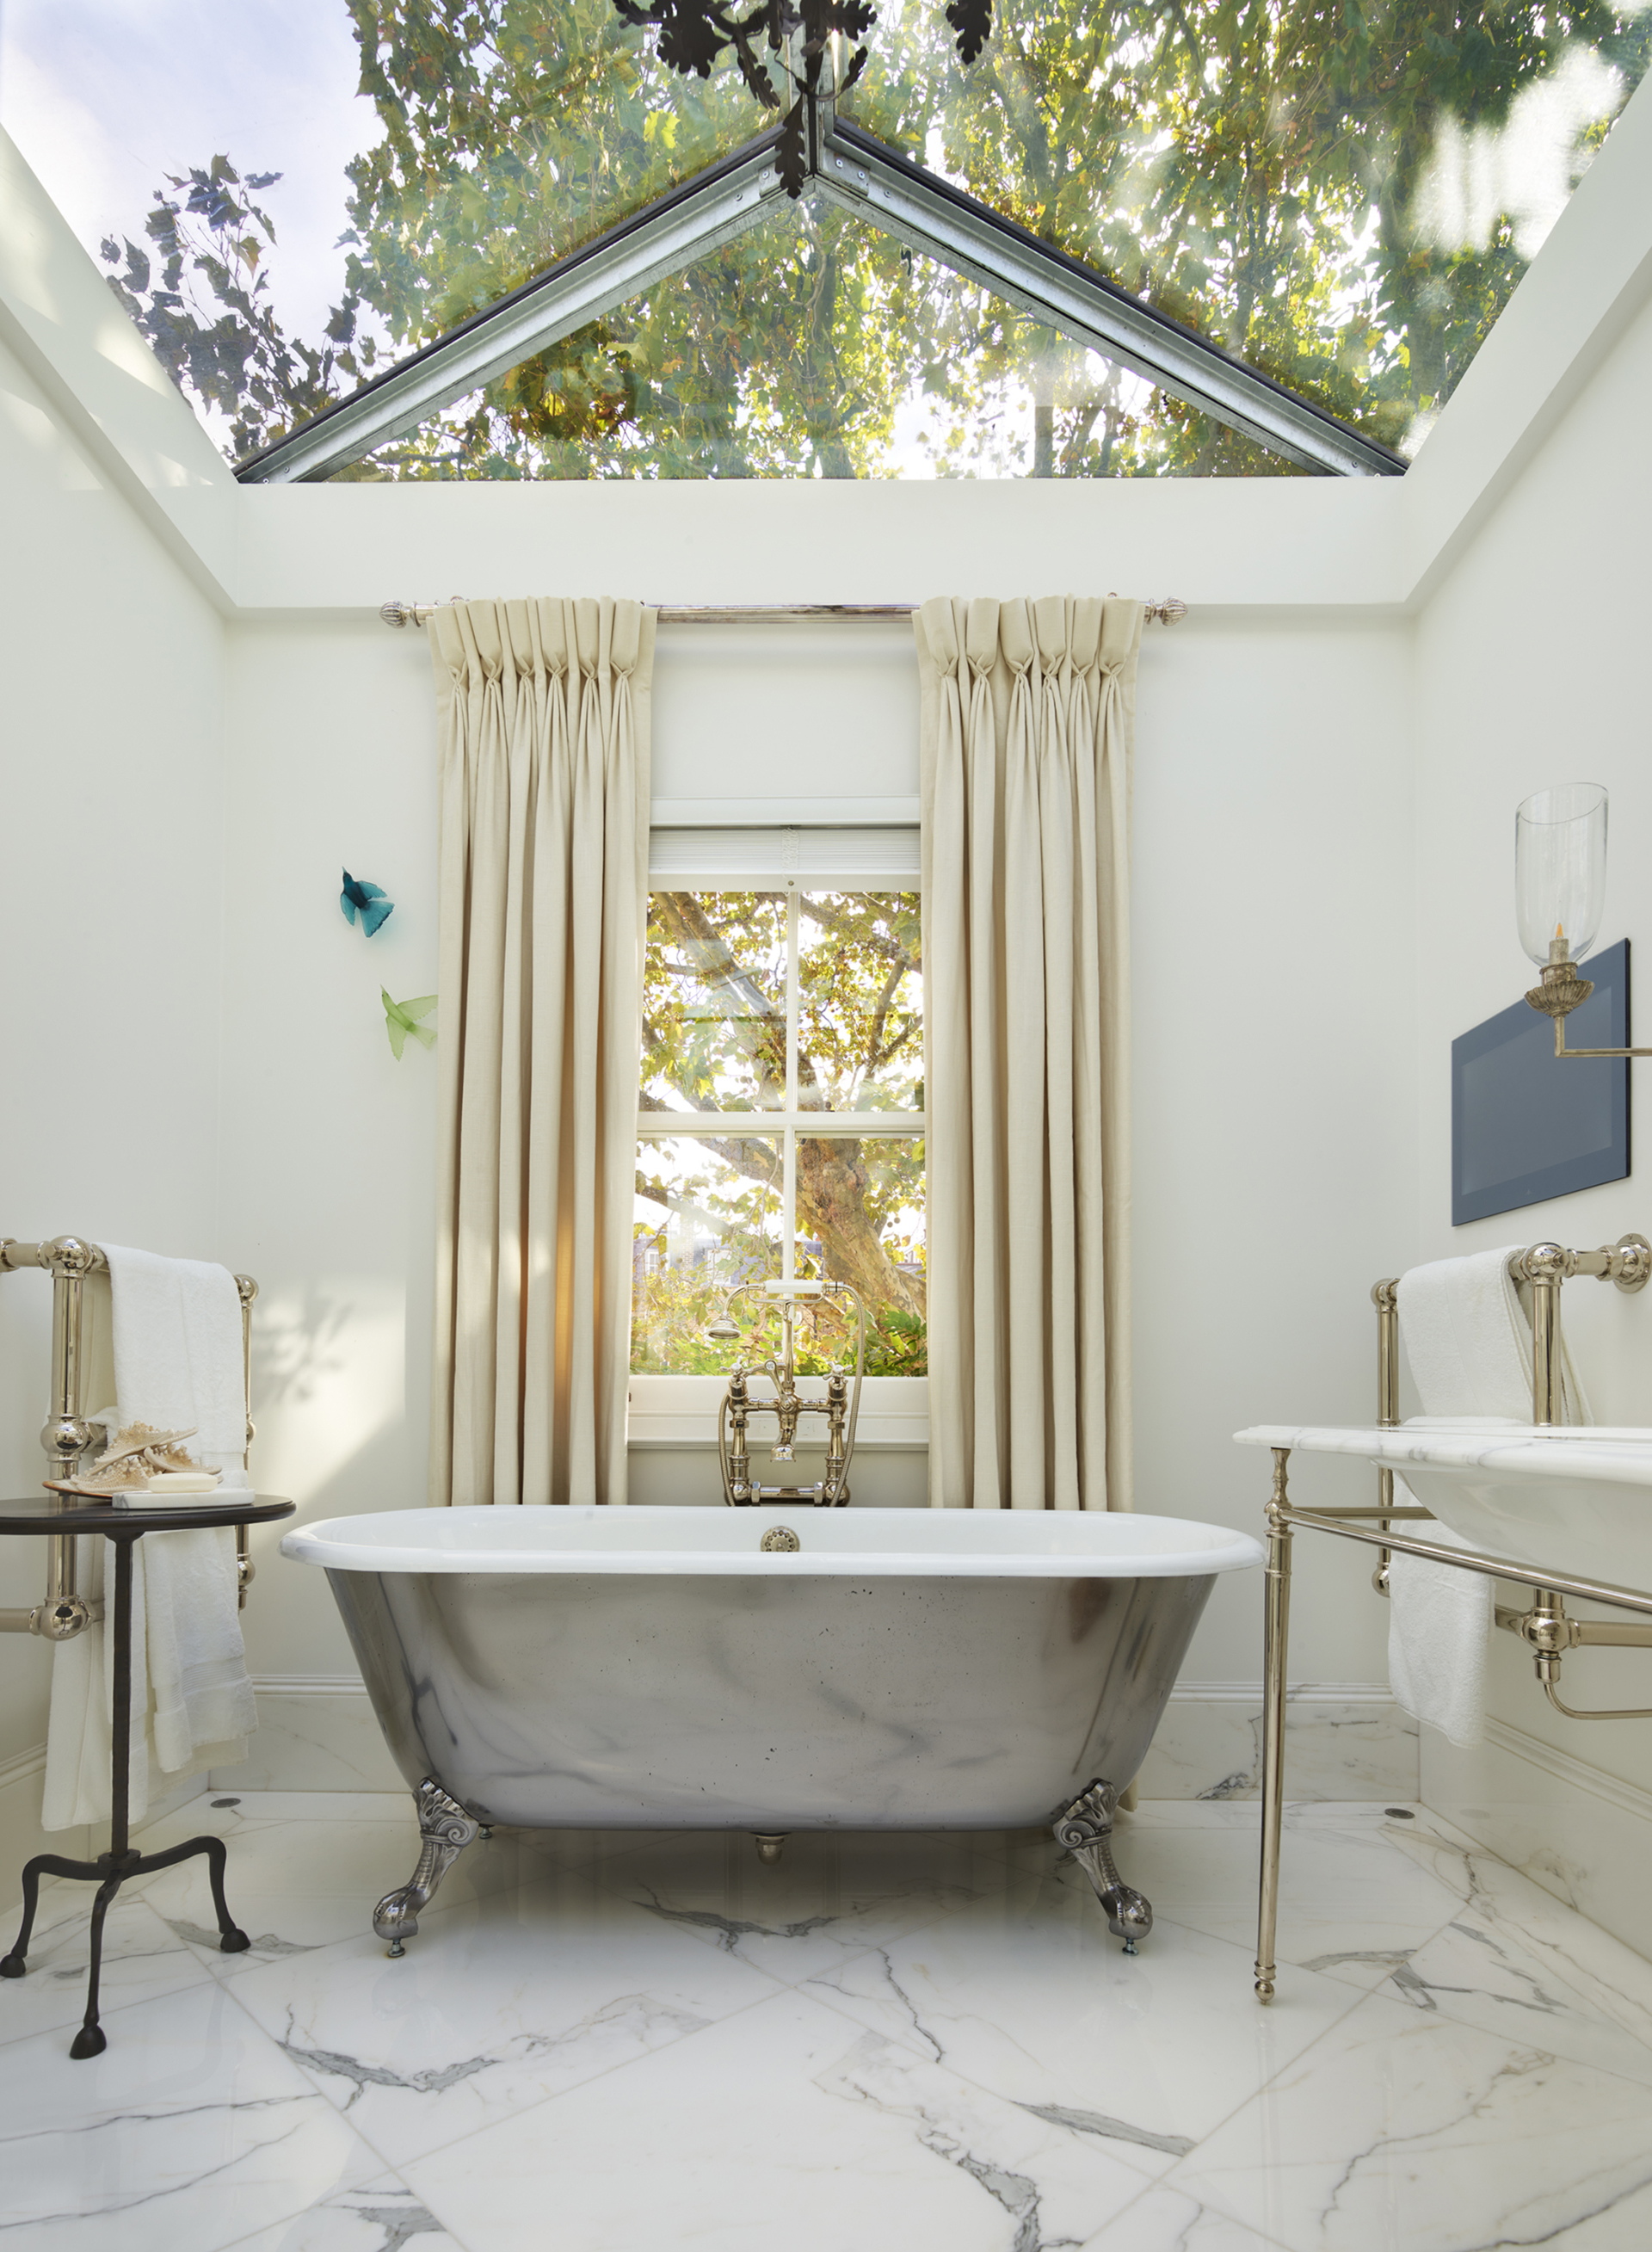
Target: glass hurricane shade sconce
1561 867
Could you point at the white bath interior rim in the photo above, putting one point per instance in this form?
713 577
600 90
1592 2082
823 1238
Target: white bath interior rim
692 1539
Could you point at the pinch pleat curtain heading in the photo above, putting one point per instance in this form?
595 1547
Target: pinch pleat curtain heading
544 711
1028 722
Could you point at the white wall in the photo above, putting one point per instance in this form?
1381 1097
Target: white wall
112 807
1274 1047
1531 670
1273 1085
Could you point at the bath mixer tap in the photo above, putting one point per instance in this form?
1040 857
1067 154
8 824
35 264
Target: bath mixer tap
841 1406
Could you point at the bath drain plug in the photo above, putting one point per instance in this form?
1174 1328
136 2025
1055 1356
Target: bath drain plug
782 1537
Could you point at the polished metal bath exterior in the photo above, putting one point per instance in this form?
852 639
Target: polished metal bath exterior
762 1704
693 1669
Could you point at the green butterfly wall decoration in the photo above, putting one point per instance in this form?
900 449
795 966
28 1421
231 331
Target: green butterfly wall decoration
402 1017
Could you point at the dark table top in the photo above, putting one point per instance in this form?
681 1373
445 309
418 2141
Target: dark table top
48 1512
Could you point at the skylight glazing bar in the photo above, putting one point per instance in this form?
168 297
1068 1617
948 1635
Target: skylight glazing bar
710 210
932 216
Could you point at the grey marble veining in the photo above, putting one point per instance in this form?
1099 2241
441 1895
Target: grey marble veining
885 2042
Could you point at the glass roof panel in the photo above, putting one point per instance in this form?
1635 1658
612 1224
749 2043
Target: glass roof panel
1345 196
339 197
816 346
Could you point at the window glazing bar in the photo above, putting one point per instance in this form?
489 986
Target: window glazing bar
939 220
706 212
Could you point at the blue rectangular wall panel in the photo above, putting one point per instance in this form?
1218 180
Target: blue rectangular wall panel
1527 1125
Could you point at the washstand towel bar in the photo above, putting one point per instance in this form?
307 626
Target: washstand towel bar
1545 1628
66 1433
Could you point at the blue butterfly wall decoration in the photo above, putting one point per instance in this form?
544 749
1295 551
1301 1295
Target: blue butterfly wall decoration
367 902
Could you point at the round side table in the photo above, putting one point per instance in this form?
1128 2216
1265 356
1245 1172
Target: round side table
124 1525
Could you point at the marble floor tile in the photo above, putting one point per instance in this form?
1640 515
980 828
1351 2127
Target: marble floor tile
191 2132
1350 1905
1168 2221
832 1893
141 1958
297 1884
1029 1995
885 2042
497 2004
1564 1946
1401 2131
380 2216
249 1806
786 2125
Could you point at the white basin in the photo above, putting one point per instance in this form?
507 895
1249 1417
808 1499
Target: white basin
1575 1501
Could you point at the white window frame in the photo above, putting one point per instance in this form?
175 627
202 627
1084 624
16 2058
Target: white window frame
679 1412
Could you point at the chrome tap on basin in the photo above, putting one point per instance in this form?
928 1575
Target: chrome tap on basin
840 1407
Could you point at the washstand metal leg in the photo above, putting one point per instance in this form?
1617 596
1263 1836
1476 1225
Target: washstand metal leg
1086 1829
769 1846
1275 1642
445 1830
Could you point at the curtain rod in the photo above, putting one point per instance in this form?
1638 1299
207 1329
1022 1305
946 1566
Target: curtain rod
764 614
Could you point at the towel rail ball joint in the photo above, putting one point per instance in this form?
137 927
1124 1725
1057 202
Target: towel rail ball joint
1545 1626
66 1435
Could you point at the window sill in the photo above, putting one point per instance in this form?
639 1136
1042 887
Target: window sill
648 1441
679 1412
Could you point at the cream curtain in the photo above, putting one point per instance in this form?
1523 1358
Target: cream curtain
544 716
1029 711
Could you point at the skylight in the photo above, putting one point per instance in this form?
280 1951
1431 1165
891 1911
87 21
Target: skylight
815 345
1212 240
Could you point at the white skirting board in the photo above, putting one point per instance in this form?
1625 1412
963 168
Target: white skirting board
1343 1741
1580 1834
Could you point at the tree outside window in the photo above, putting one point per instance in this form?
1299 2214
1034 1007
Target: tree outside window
781 1123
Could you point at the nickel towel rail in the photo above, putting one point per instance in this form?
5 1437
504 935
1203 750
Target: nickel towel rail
66 1433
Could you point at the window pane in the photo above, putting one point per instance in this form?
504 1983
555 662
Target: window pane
714 1002
860 1001
707 1217
815 347
860 1220
1345 198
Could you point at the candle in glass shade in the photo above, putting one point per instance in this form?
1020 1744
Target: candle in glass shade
1560 862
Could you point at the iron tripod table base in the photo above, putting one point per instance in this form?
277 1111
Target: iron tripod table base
109 1873
122 1862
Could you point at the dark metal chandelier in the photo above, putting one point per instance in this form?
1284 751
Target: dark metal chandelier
695 35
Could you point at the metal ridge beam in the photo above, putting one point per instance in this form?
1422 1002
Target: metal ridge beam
930 216
705 212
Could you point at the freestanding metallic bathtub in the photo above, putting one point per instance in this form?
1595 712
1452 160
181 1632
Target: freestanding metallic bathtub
769 1669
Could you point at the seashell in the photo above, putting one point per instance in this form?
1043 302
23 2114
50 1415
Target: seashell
138 1438
135 1458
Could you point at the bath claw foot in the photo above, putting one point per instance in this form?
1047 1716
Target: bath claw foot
1086 1829
769 1846
445 1830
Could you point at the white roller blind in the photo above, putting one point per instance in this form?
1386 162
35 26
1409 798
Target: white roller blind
882 859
